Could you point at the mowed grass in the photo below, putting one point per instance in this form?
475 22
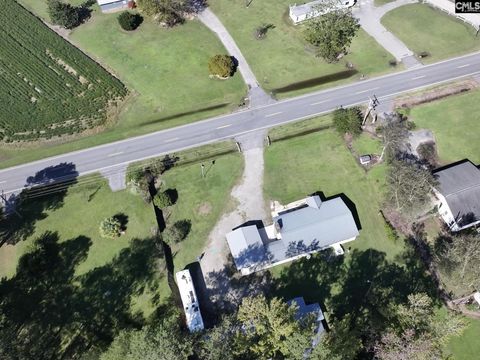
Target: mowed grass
80 217
201 201
320 161
39 7
166 71
283 57
455 122
423 28
466 346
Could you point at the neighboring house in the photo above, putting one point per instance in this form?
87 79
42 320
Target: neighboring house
299 13
458 194
114 5
189 300
314 310
299 229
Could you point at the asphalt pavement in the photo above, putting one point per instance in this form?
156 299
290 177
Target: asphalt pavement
117 154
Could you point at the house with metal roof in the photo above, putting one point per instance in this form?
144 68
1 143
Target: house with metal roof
299 229
189 300
114 5
305 310
458 194
313 9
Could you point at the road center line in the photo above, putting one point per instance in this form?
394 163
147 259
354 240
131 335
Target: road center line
320 102
364 91
419 77
115 154
462 66
224 126
172 139
269 115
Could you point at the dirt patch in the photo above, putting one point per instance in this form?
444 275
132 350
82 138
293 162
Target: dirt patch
205 208
435 94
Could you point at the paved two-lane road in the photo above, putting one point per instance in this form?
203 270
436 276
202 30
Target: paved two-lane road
123 152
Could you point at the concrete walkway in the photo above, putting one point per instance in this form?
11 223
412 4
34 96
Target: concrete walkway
370 16
256 94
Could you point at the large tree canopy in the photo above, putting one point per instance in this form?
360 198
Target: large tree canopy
332 33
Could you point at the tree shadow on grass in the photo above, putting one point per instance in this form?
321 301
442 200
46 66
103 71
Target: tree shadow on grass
45 191
50 312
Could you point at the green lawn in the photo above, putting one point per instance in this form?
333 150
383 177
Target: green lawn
423 28
201 200
455 124
466 346
39 7
79 216
282 58
166 71
321 162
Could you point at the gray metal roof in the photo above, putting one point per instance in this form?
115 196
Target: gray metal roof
460 185
246 246
310 228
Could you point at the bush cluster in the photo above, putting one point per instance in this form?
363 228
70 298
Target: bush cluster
221 65
129 21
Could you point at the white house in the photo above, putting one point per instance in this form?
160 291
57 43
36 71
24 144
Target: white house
458 194
298 230
189 301
299 13
114 5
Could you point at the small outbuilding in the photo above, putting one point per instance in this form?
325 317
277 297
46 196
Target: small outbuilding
115 5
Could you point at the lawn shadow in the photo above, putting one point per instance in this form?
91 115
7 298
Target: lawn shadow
44 191
186 113
173 195
123 219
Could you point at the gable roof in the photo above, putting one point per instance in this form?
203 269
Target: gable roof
246 246
310 227
460 185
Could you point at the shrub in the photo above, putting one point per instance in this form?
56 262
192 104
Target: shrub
348 121
177 232
392 62
221 65
110 228
162 200
427 152
129 21
64 14
138 181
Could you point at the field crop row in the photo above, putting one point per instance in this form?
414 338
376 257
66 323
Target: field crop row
48 87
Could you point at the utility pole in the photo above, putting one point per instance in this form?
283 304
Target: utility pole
203 170
372 105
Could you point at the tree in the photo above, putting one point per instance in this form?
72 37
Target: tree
409 186
348 121
162 200
221 66
417 332
267 326
129 21
395 134
332 33
163 341
177 232
167 12
110 228
458 260
64 14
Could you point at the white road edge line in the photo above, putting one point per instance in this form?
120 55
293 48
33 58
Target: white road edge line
319 102
364 91
115 154
419 77
3 182
224 126
463 66
172 139
277 113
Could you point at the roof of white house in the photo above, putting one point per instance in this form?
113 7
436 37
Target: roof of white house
312 226
460 185
308 8
105 2
189 300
